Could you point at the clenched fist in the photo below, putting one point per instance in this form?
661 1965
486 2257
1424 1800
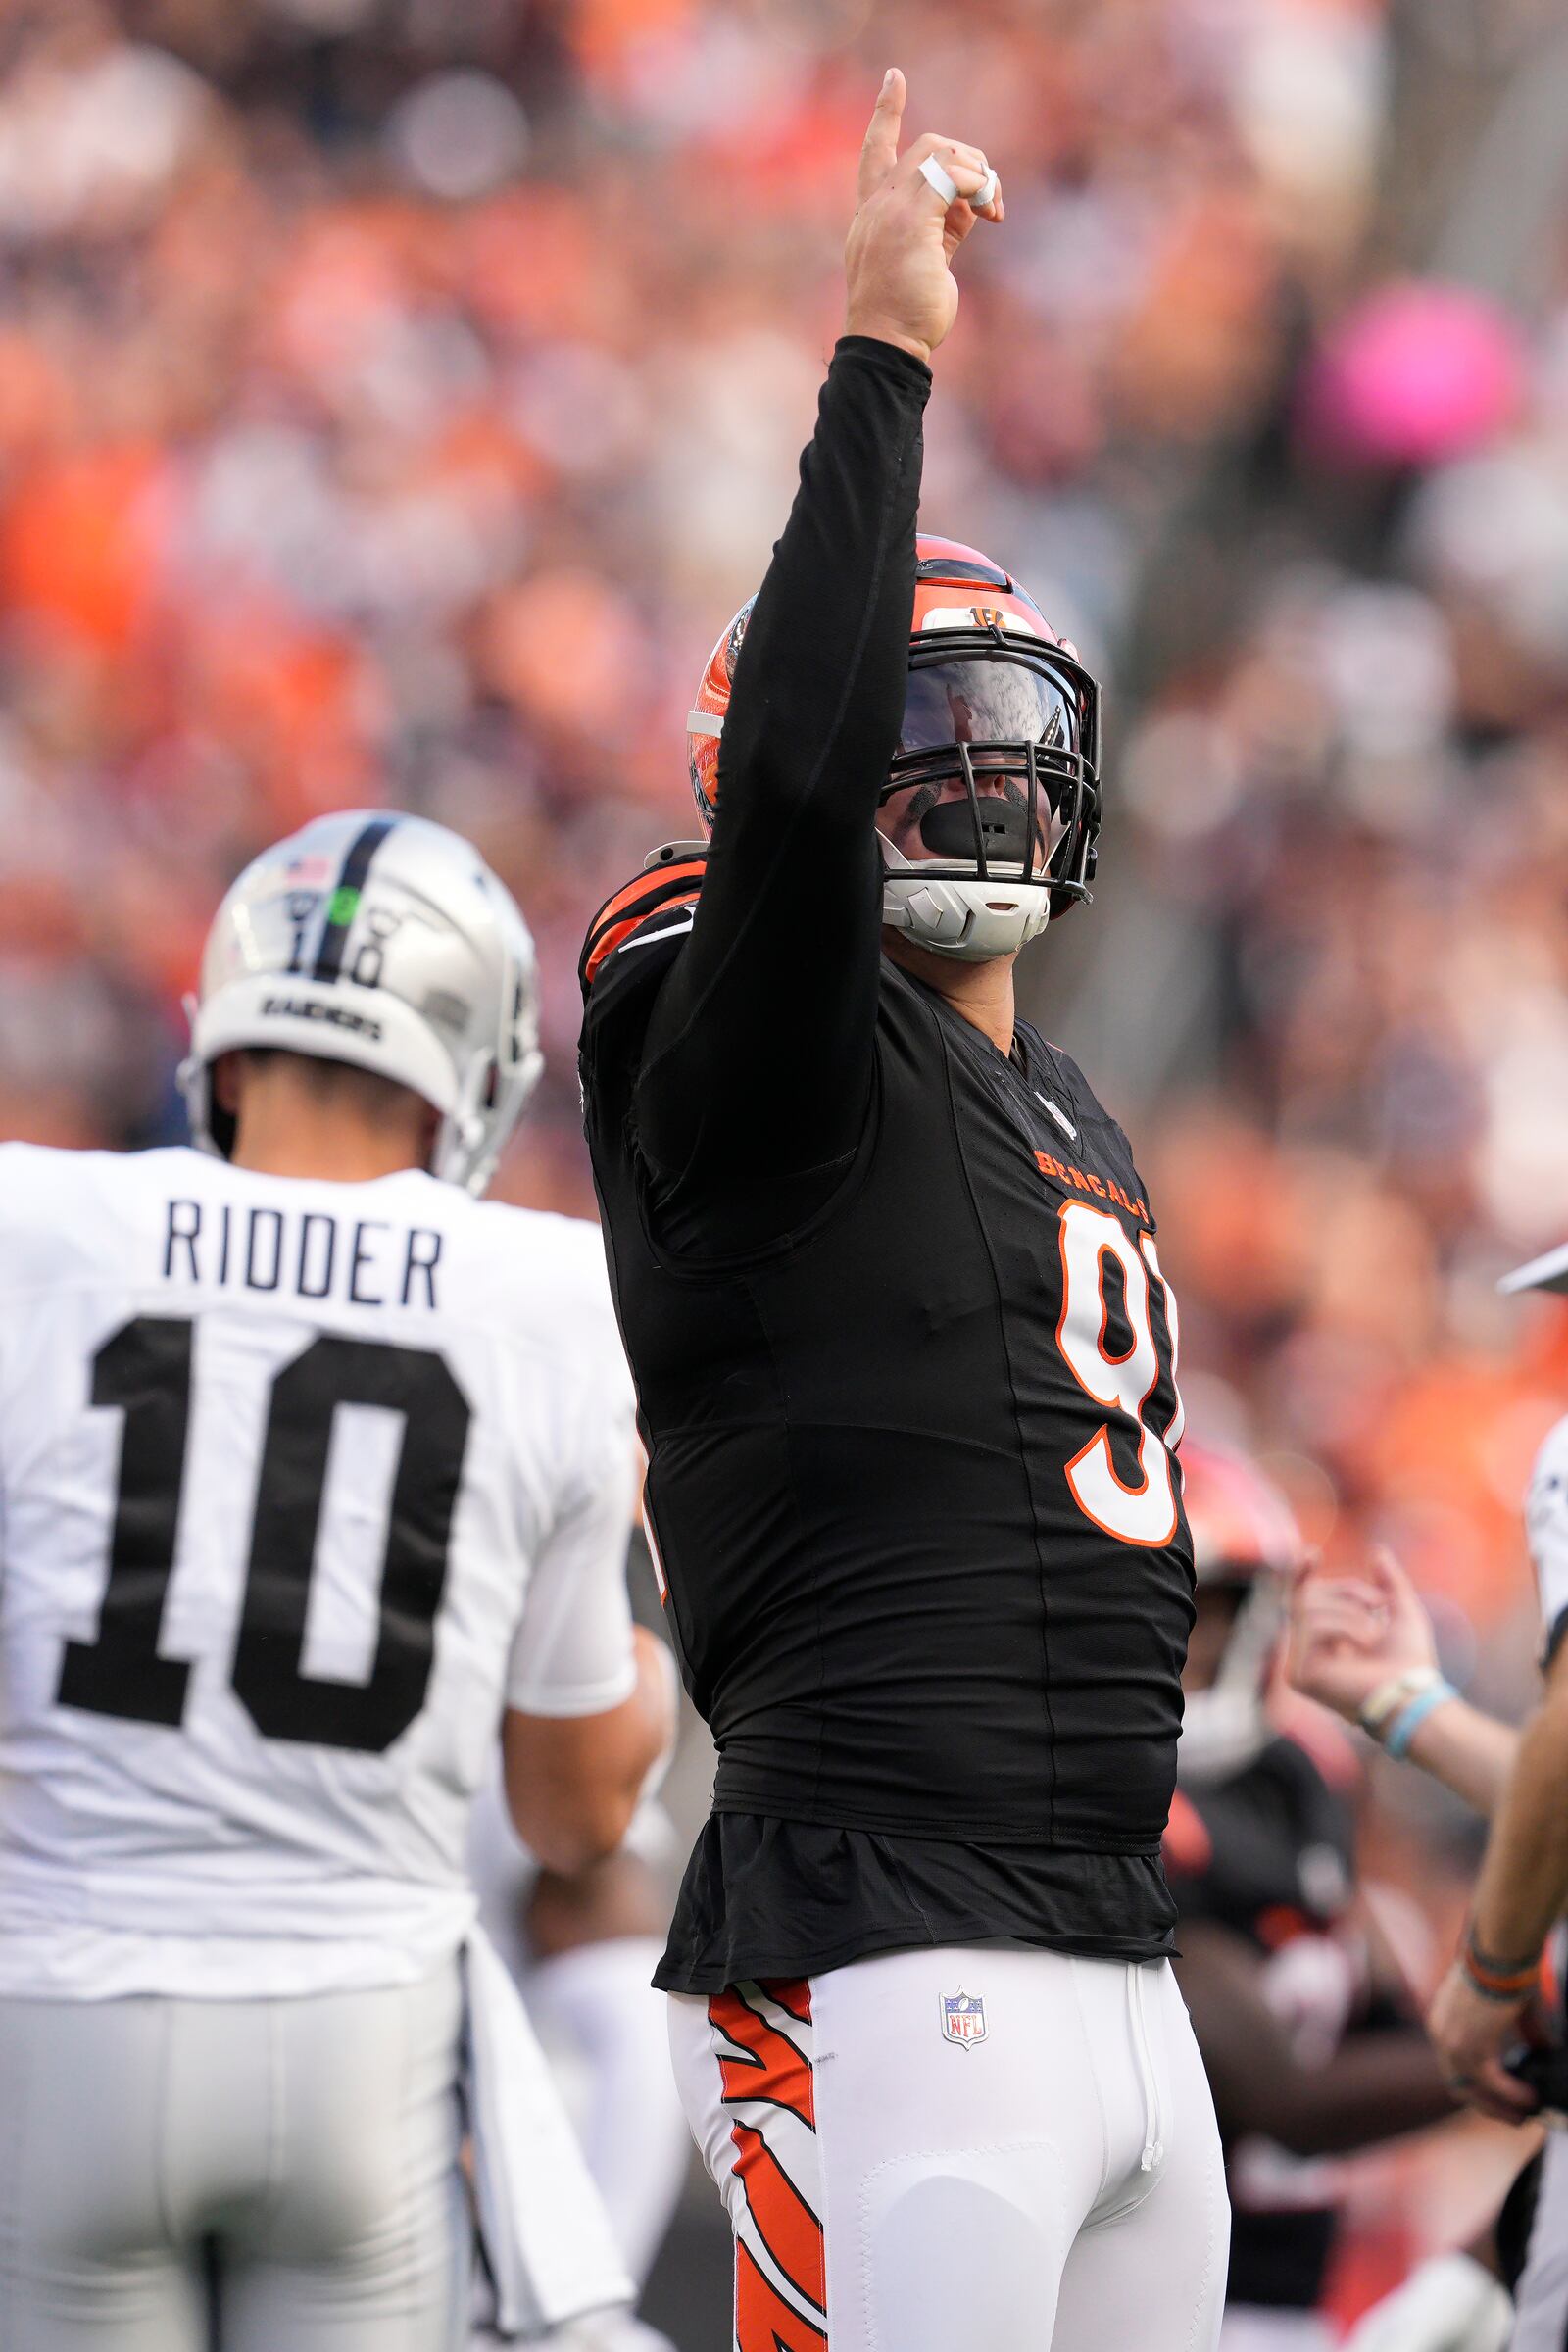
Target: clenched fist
898 260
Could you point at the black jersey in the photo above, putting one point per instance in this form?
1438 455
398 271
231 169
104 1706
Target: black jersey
1268 1854
903 1348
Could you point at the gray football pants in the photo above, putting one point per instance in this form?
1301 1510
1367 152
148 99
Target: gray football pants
1540 2297
288 2169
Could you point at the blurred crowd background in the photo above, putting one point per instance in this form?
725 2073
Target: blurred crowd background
397 396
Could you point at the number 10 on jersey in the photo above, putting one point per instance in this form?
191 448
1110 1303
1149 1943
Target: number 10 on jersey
144 1369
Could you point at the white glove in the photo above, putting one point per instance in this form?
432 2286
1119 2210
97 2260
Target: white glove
1449 2304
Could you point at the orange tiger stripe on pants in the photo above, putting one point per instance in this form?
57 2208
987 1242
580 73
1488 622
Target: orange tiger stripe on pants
763 2320
775 2069
763 2044
785 2222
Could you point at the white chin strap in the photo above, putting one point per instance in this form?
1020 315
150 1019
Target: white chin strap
960 916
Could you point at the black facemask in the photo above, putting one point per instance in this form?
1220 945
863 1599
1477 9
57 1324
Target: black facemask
1012 722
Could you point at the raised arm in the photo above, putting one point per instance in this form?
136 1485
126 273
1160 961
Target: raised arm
758 1055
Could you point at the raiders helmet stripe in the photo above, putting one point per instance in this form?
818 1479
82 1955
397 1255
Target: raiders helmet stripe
345 898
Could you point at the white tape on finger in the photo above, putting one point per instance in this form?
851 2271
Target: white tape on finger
947 187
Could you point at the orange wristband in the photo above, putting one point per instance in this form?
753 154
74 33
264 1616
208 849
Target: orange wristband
1497 1980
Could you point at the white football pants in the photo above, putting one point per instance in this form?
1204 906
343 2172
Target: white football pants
991 2147
295 2159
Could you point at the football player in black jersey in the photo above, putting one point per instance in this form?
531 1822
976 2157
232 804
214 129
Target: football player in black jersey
1307 2055
888 1278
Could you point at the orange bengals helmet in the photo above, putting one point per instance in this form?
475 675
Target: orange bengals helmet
995 772
1246 1542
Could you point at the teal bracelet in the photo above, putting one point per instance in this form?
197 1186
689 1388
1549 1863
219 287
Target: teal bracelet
1408 1721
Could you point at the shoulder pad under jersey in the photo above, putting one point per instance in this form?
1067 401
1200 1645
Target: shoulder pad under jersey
669 885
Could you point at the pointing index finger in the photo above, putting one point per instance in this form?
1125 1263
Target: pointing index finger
881 149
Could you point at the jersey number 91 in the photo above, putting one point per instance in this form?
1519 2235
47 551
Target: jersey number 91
1144 1513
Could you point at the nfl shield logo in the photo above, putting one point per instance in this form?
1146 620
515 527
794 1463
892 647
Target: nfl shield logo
964 2017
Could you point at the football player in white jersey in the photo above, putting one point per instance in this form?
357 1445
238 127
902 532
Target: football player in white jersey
314 1480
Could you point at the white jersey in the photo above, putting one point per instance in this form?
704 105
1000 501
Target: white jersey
1547 1524
301 1484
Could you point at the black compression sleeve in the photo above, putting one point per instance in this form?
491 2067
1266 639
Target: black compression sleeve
758 1054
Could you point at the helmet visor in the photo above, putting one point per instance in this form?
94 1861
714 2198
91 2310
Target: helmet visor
978 701
961 785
